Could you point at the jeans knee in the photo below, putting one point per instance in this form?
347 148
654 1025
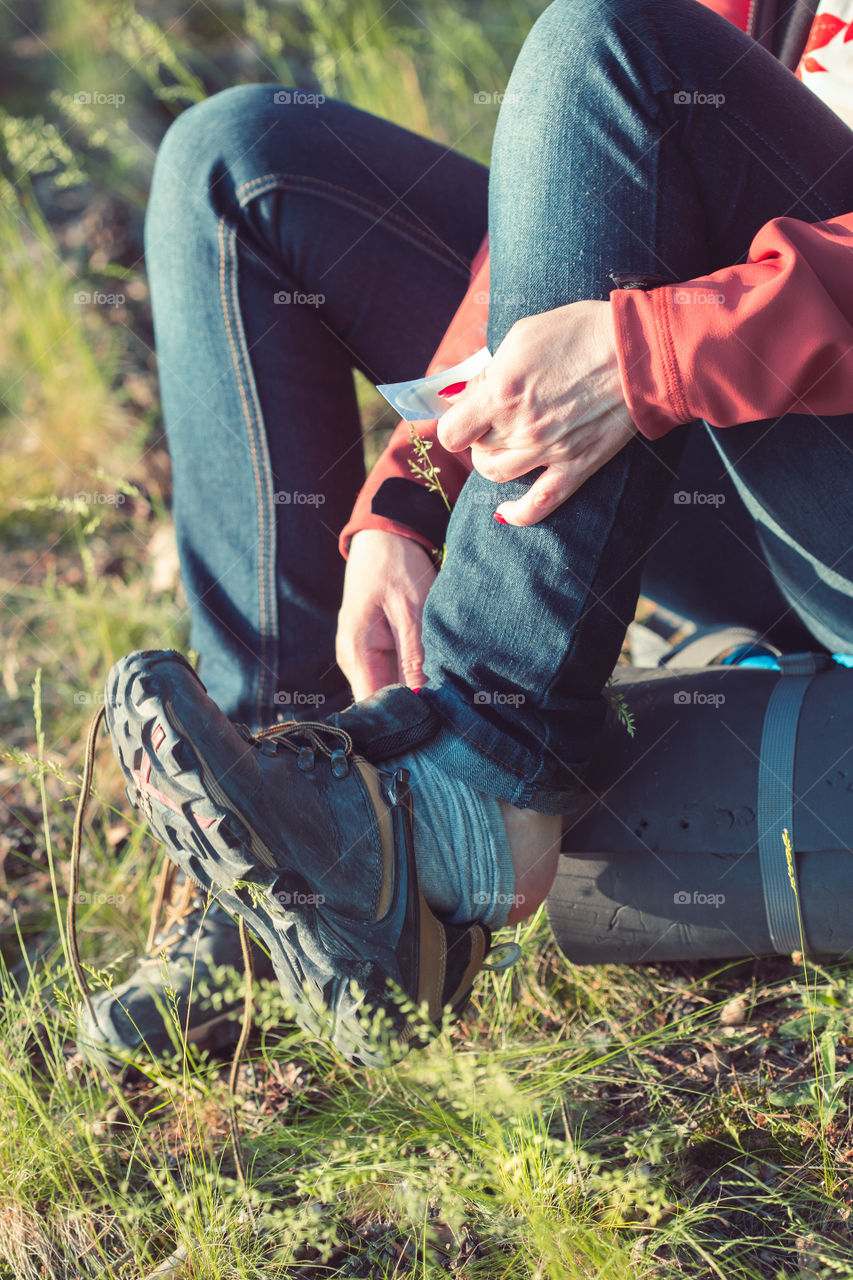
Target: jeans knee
194 149
199 136
574 41
589 22
216 146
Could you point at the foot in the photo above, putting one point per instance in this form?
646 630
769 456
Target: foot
162 1005
303 837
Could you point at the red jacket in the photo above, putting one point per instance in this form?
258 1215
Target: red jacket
736 358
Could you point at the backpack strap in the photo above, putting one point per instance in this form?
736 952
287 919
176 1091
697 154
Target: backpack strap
775 809
790 40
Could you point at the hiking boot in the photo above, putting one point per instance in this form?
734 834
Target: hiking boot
297 832
161 1004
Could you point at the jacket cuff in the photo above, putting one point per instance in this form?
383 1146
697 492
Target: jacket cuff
367 520
409 503
648 371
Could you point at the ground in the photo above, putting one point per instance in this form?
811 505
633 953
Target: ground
658 1121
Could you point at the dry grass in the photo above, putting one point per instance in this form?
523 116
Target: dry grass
657 1122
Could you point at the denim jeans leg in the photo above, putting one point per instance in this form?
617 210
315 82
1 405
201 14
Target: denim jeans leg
629 140
287 243
712 570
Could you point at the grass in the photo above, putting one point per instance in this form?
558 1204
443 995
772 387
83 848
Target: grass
661 1121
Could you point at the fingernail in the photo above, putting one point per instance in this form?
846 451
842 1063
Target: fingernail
453 389
500 519
420 686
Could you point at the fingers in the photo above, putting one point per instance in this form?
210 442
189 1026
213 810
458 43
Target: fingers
560 480
456 388
405 622
378 642
499 464
547 492
459 428
384 649
370 670
465 421
365 651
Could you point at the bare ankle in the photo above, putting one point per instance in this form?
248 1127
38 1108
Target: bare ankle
534 844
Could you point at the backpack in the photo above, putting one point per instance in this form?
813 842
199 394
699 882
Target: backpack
679 850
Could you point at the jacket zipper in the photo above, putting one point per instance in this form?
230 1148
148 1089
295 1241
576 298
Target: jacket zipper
751 23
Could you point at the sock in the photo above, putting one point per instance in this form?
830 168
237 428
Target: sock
461 847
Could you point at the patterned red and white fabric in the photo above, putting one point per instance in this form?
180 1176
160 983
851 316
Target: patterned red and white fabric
827 62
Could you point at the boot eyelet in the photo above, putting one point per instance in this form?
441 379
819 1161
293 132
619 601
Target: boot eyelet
305 759
339 764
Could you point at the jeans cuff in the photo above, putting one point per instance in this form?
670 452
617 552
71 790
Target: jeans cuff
457 757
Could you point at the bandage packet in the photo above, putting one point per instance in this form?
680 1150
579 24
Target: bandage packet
418 400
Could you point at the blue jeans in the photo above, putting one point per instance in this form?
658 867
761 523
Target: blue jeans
598 167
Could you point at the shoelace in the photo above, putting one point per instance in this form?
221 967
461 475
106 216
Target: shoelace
283 733
178 907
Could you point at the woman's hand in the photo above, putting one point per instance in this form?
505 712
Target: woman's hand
550 397
379 625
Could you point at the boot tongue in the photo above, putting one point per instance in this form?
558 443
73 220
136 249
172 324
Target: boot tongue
388 723
327 825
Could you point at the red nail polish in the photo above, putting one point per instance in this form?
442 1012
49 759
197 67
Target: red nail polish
420 686
453 389
500 519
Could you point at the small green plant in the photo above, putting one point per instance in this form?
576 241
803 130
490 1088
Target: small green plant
423 466
825 1091
425 469
621 710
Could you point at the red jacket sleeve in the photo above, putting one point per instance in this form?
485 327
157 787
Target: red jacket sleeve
737 11
465 335
771 336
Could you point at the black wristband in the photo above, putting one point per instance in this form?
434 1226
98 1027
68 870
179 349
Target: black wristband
410 503
647 281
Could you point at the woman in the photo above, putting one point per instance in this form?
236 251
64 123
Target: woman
640 144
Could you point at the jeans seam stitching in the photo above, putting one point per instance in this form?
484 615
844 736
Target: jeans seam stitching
267 621
281 181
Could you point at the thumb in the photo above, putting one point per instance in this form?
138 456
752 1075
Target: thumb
548 491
